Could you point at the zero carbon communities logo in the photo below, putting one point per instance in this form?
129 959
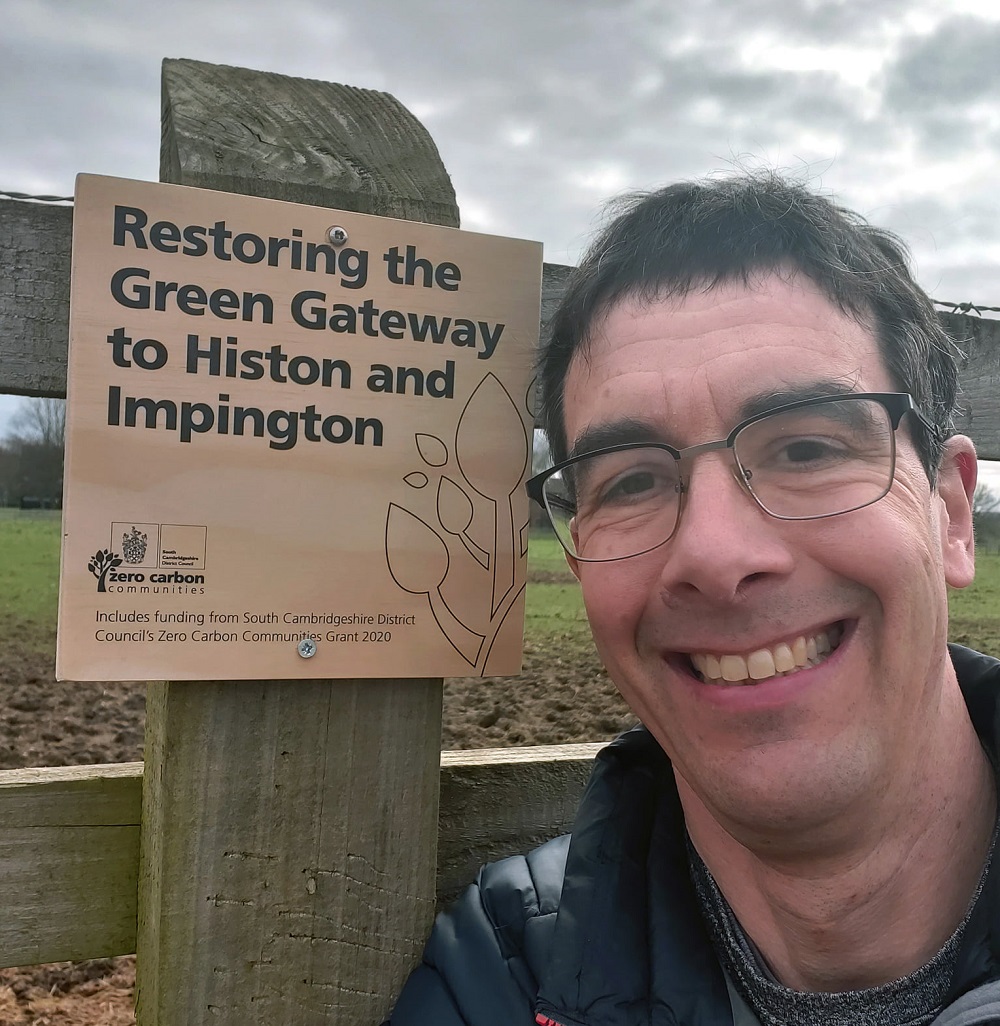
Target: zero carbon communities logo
161 568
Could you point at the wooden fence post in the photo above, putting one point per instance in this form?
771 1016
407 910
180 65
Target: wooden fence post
289 828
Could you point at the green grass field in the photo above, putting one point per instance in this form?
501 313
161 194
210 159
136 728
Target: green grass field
29 579
29 565
545 555
975 611
553 607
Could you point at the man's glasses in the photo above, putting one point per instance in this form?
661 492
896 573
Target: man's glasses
803 461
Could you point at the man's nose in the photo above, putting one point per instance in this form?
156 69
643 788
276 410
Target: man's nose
724 542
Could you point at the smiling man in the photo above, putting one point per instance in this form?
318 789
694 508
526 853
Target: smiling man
758 485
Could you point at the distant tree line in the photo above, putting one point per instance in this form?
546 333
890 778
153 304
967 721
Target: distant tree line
31 455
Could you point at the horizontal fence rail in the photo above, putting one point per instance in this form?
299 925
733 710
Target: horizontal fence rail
69 845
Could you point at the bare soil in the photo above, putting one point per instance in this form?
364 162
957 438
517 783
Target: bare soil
563 695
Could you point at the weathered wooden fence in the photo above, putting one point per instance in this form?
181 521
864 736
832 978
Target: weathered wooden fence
310 907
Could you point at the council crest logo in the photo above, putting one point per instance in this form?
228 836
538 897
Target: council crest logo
134 544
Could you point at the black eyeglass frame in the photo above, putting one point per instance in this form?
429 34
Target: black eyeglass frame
896 405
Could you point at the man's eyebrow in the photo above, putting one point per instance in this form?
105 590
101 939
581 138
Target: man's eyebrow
627 430
765 402
615 432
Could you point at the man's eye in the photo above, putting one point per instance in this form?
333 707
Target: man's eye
634 484
812 450
634 487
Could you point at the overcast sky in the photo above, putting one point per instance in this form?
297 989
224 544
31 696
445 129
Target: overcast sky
542 109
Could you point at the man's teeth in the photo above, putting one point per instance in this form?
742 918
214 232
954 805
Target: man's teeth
768 662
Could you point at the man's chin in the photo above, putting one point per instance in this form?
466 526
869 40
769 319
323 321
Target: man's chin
789 793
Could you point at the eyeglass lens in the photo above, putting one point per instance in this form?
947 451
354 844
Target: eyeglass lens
800 464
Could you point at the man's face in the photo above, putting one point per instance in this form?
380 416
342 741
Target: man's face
812 744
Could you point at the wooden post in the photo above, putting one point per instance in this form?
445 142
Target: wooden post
289 829
34 297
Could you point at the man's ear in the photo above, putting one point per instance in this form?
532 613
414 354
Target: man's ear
956 486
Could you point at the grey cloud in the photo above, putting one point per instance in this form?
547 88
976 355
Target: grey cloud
799 21
838 19
957 64
966 282
600 83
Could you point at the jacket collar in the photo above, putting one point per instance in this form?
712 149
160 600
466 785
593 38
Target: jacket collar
628 893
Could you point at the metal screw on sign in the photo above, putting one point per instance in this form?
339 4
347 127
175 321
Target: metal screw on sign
337 235
307 648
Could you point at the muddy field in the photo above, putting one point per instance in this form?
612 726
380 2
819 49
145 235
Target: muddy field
561 696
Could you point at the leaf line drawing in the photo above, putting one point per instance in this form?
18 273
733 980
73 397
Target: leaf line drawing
419 566
455 511
490 408
488 460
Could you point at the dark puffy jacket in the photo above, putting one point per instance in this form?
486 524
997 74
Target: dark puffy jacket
602 928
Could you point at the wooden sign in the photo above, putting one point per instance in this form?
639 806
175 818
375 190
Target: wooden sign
296 441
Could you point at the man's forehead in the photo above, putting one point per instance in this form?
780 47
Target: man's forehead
741 350
776 294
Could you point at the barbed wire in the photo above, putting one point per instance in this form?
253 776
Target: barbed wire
966 308
5 194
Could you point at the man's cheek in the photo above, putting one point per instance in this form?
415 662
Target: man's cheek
610 615
616 640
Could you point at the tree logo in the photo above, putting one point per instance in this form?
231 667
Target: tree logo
100 563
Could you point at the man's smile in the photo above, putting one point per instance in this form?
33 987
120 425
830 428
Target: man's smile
778 660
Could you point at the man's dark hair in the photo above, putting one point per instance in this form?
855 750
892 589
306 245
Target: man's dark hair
697 235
